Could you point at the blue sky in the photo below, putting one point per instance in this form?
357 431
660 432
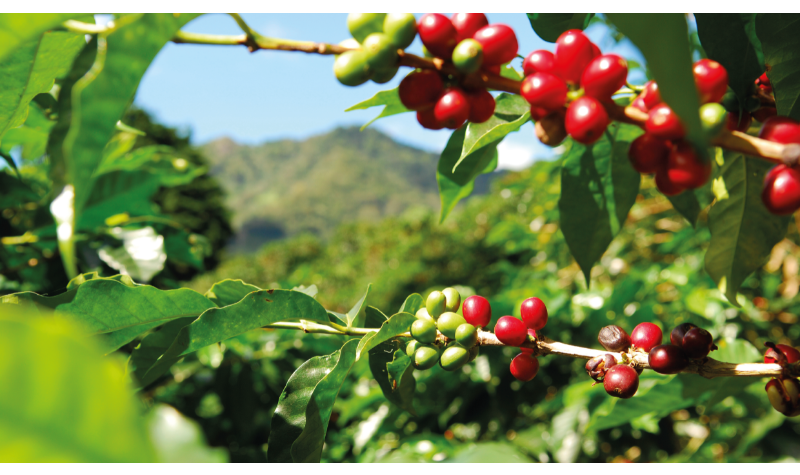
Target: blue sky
221 91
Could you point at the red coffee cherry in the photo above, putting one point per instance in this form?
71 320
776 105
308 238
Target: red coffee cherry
524 367
604 76
711 80
781 193
420 89
650 95
539 61
586 120
621 381
763 80
511 331
764 113
597 367
685 168
477 311
676 337
596 50
544 90
697 343
428 120
646 335
665 185
534 313
784 395
735 122
664 124
614 338
638 103
438 34
499 43
452 108
573 53
667 359
648 153
466 24
495 69
792 354
780 129
481 106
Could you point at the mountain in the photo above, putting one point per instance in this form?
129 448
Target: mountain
289 187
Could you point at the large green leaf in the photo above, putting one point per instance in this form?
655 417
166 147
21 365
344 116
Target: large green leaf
301 419
549 26
18 28
780 43
663 39
743 231
389 99
353 319
396 325
401 383
511 112
229 291
456 185
60 400
598 188
150 349
724 38
690 203
412 303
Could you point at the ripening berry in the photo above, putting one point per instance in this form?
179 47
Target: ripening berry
614 338
477 311
511 331
420 90
586 120
452 108
764 113
697 343
539 61
604 76
685 168
524 367
621 381
573 53
646 335
534 313
481 106
711 80
648 153
666 186
740 122
650 95
438 34
545 91
468 56
428 120
664 124
780 129
467 24
667 359
676 337
499 43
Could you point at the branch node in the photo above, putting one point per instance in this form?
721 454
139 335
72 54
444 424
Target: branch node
791 154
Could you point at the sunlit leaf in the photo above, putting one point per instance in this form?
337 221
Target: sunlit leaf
389 99
229 291
456 185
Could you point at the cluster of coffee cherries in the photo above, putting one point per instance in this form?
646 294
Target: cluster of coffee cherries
781 192
783 392
512 331
687 342
471 44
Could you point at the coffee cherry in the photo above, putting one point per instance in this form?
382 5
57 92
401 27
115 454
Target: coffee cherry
382 76
667 359
422 314
428 120
499 43
784 395
697 343
477 311
711 80
764 113
586 120
452 299
495 69
646 335
596 367
381 53
550 129
792 354
524 367
452 108
423 331
511 331
467 24
411 348
781 193
420 90
401 28
454 357
614 338
466 335
362 25
650 95
685 168
621 381
638 103
664 124
351 68
481 106
666 186
437 34
539 61
730 101
425 357
713 117
544 90
449 322
534 313
735 121
763 80
780 129
573 53
676 337
468 56
604 76
648 153
435 304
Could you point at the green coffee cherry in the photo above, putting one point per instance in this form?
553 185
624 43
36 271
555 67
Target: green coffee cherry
473 353
449 322
466 335
426 357
452 299
424 331
422 314
350 43
411 348
713 117
382 76
351 68
401 28
436 304
730 102
454 357
468 56
381 53
362 25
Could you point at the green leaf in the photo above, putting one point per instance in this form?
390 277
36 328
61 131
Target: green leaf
456 185
549 26
352 316
663 39
749 20
300 421
150 349
62 401
374 318
229 291
725 40
389 99
396 325
511 112
412 303
15 192
598 188
743 231
179 439
18 28
690 203
780 42
737 351
489 452
402 384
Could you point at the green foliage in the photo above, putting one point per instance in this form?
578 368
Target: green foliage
389 99
18 28
779 44
549 26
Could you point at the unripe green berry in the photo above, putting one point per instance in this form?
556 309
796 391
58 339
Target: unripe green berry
454 357
466 335
452 299
729 101
713 117
401 28
351 68
422 314
426 357
448 323
411 348
468 56
424 331
362 25
382 76
435 304
351 43
381 53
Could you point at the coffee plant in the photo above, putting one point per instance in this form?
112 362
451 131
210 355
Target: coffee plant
720 134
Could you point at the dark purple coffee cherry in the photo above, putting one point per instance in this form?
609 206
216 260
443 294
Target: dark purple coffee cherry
614 338
597 367
676 337
621 381
667 359
697 343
